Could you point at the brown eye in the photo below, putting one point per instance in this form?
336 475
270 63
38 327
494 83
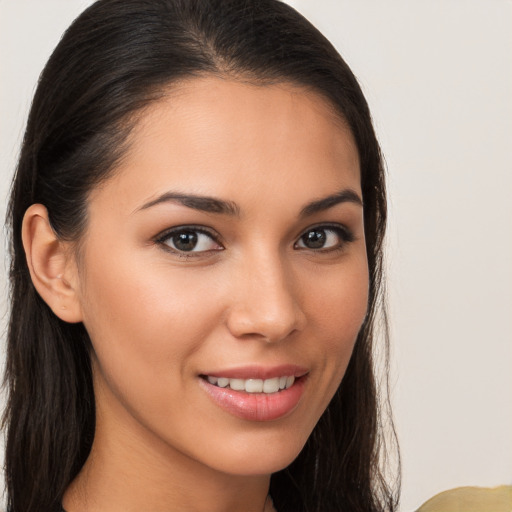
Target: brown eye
315 239
185 241
189 240
328 237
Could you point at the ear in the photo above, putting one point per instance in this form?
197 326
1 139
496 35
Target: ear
52 265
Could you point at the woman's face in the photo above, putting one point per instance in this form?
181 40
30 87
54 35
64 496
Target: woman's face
224 260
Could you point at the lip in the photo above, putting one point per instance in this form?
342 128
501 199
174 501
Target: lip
256 406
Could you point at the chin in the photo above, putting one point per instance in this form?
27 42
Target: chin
260 458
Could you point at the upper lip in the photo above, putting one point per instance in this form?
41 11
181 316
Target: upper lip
259 372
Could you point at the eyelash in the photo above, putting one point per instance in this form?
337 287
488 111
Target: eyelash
344 235
164 237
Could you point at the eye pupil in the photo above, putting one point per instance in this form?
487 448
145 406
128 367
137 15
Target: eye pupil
315 239
185 241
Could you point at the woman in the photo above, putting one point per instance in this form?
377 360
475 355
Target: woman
197 221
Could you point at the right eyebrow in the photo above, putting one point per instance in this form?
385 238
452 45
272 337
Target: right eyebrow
197 202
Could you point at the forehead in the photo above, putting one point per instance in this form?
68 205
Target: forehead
222 137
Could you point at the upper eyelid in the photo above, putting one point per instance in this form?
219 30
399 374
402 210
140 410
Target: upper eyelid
327 225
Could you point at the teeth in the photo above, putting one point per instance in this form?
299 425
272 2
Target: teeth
237 384
254 385
222 382
271 385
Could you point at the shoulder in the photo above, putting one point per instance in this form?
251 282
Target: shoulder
471 499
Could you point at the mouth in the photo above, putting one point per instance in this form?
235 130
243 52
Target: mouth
256 394
267 386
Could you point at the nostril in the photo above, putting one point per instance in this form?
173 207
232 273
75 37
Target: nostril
251 325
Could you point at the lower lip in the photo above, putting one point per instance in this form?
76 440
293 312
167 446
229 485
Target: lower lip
256 406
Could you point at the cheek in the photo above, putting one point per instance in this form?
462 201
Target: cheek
145 322
341 303
338 312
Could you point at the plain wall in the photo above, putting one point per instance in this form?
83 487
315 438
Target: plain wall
438 77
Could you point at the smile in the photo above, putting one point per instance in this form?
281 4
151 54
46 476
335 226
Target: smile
267 398
269 386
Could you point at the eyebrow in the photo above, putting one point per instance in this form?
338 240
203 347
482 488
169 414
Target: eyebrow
202 203
219 206
320 205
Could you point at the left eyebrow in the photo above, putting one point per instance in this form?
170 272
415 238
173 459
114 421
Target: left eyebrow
320 205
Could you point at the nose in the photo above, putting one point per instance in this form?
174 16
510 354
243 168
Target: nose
266 301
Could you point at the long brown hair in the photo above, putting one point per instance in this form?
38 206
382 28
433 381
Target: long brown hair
112 62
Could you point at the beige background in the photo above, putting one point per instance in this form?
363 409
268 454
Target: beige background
438 77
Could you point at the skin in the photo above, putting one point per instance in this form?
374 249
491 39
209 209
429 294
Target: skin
256 295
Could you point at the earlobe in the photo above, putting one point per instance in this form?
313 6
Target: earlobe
51 264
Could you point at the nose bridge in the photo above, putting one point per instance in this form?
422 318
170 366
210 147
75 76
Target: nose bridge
266 302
